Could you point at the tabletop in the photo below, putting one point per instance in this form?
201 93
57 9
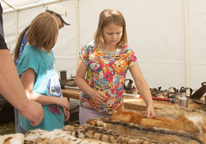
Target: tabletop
130 101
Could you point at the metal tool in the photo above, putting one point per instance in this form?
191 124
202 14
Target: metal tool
199 93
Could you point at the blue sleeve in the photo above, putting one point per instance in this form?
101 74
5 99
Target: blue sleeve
28 60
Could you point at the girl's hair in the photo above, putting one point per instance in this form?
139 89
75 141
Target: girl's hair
18 44
43 31
106 17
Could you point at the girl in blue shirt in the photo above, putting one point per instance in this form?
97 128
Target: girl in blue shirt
36 68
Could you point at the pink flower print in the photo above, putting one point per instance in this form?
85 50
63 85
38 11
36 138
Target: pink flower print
108 76
54 109
133 57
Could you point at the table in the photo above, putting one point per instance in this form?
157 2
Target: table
130 102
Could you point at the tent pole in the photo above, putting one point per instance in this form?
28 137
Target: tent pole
186 45
17 22
77 28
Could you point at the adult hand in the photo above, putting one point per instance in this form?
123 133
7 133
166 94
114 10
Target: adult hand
66 114
63 102
33 112
150 112
98 96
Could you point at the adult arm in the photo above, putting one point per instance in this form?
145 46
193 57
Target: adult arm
143 89
27 79
97 96
12 90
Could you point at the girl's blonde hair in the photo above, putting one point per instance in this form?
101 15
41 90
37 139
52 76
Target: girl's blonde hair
106 17
43 31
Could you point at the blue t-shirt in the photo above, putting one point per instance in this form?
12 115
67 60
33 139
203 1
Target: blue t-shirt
46 83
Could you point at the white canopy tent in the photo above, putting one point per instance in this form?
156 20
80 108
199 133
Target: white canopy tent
167 36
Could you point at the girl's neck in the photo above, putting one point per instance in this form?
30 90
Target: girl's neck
43 49
110 49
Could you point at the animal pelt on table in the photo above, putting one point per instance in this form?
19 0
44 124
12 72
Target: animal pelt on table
192 124
39 136
175 125
187 128
17 138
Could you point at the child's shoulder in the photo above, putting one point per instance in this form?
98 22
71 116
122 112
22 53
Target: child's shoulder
126 48
27 55
90 44
27 49
30 51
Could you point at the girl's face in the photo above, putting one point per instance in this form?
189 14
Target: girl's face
112 34
59 21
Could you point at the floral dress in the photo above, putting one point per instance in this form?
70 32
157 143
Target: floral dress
106 72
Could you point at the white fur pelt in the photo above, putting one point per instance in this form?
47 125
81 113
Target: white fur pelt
17 138
55 137
198 122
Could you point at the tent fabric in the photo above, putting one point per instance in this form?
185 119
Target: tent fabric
155 30
17 3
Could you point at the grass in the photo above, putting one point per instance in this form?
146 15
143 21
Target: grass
7 128
7 122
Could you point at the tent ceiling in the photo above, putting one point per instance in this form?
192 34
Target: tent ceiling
21 3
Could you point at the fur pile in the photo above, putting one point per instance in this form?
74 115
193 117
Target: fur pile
192 124
17 138
39 136
172 125
180 125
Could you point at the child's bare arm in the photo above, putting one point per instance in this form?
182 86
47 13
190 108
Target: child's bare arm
66 114
143 89
97 96
27 79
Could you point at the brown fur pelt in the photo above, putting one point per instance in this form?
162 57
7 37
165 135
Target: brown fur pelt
144 134
183 126
174 112
192 124
175 125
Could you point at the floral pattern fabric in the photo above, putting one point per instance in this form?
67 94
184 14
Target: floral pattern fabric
106 72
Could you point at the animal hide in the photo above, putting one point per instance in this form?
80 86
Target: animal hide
17 138
39 136
192 124
179 125
173 124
